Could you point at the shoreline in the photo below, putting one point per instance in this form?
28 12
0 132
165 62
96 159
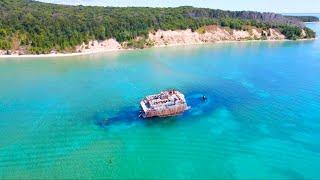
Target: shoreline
160 46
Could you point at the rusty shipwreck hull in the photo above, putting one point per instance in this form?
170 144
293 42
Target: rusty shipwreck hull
166 103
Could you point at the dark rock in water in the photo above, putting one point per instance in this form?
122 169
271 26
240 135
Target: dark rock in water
204 98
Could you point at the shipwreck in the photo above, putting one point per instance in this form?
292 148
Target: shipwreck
167 103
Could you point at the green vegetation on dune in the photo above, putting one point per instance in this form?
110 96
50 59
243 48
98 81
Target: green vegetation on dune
294 33
42 27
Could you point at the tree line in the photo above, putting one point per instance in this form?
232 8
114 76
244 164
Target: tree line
41 27
304 18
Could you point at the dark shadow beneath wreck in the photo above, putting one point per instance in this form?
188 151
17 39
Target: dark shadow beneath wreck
126 115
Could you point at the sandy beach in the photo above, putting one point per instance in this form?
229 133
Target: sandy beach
60 54
159 46
213 35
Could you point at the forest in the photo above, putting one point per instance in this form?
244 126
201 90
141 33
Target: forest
41 27
305 18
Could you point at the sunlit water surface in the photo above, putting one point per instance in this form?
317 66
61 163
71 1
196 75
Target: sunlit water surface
76 117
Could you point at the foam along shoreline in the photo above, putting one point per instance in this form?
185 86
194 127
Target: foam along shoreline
212 35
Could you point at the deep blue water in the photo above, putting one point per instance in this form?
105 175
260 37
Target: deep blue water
76 117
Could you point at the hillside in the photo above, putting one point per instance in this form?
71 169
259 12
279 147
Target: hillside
304 18
39 27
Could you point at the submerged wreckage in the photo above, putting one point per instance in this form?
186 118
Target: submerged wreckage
167 103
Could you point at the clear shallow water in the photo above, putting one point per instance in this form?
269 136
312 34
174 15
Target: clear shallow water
262 118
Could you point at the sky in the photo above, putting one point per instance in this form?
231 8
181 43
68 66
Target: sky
279 6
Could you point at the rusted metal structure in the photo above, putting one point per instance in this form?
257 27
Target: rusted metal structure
167 103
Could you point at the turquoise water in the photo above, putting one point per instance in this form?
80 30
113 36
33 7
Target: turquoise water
76 117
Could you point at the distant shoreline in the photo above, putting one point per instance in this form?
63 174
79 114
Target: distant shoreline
312 22
161 46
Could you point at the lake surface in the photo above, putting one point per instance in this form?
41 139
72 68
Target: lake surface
76 117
